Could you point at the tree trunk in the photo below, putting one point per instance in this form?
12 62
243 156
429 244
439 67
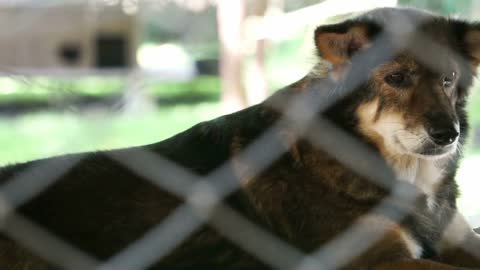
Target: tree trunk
257 91
230 17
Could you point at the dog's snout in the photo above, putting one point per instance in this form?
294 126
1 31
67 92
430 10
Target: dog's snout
444 136
443 127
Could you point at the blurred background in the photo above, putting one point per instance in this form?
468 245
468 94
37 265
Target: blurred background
82 75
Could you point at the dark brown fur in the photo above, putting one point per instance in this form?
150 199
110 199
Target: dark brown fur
306 197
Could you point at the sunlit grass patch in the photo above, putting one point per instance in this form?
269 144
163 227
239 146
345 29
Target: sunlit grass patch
46 134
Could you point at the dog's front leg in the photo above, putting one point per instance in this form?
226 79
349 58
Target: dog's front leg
396 251
460 245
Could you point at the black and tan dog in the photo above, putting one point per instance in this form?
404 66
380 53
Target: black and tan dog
410 74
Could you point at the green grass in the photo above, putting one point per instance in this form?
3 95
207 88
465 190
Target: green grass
474 106
204 85
46 134
23 89
42 89
32 136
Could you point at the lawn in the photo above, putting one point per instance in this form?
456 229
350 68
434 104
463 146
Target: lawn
45 134
48 129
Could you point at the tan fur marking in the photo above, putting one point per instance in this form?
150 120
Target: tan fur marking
367 114
334 47
393 231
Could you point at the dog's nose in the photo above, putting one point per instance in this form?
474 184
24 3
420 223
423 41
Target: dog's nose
443 136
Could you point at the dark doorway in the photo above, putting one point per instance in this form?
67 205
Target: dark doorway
111 51
70 53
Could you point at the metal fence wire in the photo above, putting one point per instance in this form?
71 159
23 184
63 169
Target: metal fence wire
204 195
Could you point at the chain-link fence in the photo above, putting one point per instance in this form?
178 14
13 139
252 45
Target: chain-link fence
203 196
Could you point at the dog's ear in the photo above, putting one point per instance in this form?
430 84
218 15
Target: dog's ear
338 42
472 43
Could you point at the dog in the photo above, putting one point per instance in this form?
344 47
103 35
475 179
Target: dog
393 81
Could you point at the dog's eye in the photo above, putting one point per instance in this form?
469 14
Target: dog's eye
398 79
449 80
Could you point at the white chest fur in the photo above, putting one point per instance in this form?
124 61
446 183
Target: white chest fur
423 173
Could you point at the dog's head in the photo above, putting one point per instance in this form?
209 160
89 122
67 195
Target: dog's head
410 71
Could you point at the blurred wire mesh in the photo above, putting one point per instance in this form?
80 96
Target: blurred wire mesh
82 75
